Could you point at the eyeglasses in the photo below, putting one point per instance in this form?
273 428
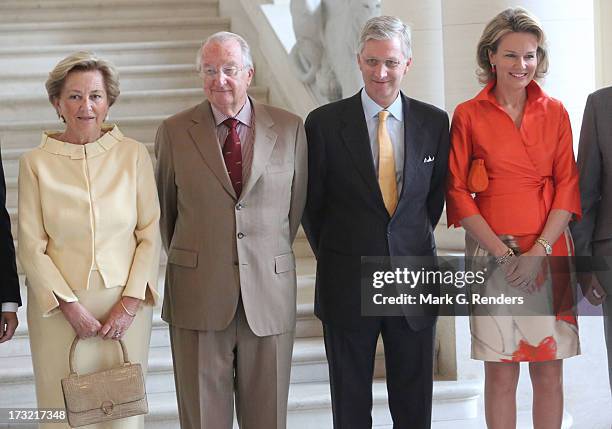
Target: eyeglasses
390 64
229 71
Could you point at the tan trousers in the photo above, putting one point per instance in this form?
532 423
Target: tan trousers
211 366
51 337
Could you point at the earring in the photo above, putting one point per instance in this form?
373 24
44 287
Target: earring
493 69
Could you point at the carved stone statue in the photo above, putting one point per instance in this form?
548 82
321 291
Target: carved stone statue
327 36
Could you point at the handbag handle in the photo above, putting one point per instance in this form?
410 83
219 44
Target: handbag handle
126 360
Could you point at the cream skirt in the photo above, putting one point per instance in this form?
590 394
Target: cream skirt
523 337
51 337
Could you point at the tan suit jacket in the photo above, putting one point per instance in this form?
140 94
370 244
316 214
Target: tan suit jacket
220 247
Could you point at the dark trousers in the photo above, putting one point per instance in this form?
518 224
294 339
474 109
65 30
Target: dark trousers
409 368
607 307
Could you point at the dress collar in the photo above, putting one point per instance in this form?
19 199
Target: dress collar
112 135
534 93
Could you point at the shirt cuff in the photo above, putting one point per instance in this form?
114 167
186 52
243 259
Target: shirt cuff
10 307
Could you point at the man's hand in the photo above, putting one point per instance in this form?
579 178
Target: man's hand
592 290
85 325
8 325
119 320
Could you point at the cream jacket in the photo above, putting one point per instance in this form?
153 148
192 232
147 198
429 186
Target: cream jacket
84 207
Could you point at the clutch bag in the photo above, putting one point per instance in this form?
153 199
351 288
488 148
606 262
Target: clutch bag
478 180
106 395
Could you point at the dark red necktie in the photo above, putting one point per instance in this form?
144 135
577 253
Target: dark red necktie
232 155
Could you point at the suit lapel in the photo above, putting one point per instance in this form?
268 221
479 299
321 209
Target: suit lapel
357 142
414 138
265 140
205 140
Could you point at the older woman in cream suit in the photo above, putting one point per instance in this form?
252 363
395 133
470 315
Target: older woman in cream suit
88 234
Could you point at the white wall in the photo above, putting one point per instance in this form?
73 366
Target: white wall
603 42
570 33
425 79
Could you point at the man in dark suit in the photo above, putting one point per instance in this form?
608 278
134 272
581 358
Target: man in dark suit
593 234
377 167
10 299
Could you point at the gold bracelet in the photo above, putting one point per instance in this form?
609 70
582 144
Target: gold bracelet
505 258
545 244
126 310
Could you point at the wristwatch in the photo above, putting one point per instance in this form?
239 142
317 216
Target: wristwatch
545 244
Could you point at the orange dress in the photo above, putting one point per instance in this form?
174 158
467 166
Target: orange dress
531 170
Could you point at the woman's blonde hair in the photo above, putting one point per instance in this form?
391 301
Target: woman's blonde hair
83 61
511 20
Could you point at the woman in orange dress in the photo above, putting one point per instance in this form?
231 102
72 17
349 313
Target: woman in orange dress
524 138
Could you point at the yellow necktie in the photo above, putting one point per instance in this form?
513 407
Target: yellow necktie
386 164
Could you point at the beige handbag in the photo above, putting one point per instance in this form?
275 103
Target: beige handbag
106 395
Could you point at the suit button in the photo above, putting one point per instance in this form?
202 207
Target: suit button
239 206
240 235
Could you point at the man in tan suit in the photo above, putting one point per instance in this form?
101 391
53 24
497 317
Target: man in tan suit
231 175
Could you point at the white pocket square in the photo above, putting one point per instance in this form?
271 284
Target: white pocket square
429 159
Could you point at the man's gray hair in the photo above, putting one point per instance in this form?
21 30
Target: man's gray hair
385 28
223 36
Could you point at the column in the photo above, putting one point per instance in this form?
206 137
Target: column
425 79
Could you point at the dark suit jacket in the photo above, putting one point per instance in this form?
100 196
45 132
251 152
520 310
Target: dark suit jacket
345 217
592 233
9 282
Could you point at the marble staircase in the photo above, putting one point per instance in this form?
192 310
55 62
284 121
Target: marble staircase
153 43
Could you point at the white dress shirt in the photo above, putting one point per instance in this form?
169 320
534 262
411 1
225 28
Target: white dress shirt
9 306
395 127
246 133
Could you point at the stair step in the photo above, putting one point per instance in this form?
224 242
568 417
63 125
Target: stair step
10 159
309 364
110 30
27 134
306 265
15 58
309 407
451 240
310 404
73 10
304 311
132 78
305 272
307 325
152 102
163 412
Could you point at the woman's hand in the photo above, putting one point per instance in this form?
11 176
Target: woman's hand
81 320
522 272
119 320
